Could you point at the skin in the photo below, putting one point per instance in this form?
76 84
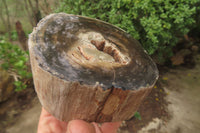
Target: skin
49 124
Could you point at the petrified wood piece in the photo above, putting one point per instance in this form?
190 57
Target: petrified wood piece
87 69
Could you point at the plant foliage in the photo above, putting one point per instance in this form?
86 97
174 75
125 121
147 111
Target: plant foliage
14 36
137 116
157 24
13 59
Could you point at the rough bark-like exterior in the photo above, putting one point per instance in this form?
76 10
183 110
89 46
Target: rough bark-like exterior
71 100
76 99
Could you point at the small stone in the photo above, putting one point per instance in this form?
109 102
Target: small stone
195 48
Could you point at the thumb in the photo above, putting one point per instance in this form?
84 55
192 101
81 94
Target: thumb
80 126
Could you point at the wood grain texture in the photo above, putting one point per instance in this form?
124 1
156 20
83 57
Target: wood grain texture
87 96
71 100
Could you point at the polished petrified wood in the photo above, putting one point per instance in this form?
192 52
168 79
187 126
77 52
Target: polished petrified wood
88 69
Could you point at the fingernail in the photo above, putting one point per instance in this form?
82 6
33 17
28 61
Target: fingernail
69 128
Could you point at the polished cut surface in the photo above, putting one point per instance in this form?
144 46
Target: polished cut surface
91 51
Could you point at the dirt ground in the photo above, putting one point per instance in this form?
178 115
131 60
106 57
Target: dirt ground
176 110
16 106
172 106
183 88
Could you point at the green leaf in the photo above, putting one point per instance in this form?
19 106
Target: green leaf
17 83
20 63
14 60
5 66
137 116
19 86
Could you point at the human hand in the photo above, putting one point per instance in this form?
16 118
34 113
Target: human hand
49 124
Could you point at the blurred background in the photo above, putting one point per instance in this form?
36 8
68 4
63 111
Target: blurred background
168 30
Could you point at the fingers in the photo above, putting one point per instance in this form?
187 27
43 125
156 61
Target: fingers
110 127
97 127
44 113
79 126
49 124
